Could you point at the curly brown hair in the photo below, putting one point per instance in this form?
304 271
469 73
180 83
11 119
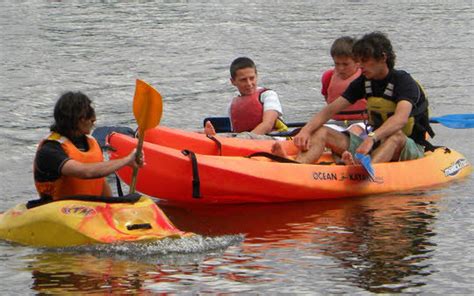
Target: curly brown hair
375 45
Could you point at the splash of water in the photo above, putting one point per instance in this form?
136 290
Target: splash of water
168 249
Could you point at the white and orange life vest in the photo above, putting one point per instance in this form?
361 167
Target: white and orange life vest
69 186
336 88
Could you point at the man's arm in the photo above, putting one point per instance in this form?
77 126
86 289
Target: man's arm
98 169
325 114
301 140
393 124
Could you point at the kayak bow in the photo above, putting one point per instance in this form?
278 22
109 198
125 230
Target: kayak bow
72 222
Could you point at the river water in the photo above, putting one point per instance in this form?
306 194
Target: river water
414 243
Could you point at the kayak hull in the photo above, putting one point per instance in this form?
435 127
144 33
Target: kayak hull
169 174
68 223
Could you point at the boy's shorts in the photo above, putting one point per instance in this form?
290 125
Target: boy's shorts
411 150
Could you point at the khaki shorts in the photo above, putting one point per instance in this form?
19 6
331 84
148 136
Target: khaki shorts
411 150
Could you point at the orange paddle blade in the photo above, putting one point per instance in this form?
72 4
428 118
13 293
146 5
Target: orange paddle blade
147 106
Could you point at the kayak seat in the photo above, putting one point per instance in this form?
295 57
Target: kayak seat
101 133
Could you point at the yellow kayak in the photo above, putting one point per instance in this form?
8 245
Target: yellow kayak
87 220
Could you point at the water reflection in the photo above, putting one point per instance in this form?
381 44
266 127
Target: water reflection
122 268
381 244
59 273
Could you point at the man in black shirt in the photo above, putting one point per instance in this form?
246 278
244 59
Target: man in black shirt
396 105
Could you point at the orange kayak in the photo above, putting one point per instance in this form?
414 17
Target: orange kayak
201 144
175 176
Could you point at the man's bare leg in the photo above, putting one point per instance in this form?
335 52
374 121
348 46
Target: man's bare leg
390 149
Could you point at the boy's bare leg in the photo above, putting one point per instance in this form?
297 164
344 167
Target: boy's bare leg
324 137
209 129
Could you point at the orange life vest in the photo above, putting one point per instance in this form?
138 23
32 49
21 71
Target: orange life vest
67 185
246 112
336 88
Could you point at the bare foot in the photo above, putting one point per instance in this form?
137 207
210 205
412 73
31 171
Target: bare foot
277 149
347 158
209 129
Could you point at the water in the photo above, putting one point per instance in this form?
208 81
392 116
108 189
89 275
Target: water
415 243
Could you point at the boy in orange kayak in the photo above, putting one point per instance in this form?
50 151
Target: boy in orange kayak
397 107
336 80
69 161
255 109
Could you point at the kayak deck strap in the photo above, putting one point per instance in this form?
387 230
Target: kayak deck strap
218 143
196 182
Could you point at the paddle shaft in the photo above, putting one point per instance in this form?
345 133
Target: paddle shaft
138 156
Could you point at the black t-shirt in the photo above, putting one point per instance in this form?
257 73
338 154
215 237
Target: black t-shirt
405 88
51 157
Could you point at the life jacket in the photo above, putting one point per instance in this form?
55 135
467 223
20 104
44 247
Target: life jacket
246 112
381 108
334 87
67 185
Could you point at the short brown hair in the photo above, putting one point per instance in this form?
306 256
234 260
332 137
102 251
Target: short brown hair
241 63
342 47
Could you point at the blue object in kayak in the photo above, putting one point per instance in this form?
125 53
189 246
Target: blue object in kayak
365 161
